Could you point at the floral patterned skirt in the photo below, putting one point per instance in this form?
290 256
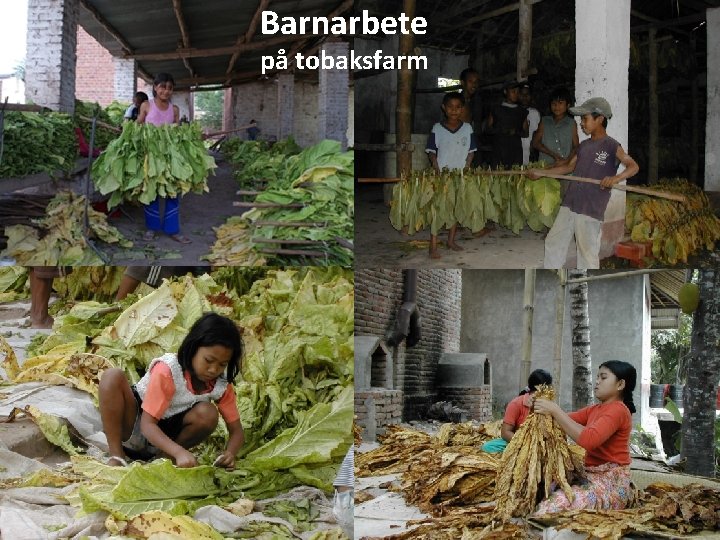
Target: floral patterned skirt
605 487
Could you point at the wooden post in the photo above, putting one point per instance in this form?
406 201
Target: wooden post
524 38
559 327
403 109
528 309
694 112
653 108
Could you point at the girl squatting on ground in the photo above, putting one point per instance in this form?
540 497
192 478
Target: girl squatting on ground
603 430
172 408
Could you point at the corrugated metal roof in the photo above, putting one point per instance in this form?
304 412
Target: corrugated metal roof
203 54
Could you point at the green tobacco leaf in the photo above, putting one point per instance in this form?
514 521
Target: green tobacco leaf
161 479
318 435
145 319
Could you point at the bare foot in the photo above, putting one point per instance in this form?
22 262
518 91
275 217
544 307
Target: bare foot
455 247
434 254
116 461
482 232
180 238
44 324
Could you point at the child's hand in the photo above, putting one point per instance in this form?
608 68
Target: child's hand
226 459
609 181
185 459
534 174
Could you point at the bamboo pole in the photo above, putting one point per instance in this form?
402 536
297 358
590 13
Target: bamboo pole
653 107
525 13
528 311
559 328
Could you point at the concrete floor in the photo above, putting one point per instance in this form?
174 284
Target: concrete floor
378 244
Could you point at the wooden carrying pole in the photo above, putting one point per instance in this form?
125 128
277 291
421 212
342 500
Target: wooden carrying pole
634 189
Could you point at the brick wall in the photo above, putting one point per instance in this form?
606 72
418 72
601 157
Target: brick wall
95 71
376 409
50 57
259 100
333 96
378 295
477 401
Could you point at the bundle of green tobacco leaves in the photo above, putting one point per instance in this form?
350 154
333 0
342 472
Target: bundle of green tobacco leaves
57 238
471 198
37 142
149 161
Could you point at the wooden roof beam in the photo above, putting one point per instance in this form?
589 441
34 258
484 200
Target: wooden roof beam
688 19
483 17
127 49
177 8
219 51
247 37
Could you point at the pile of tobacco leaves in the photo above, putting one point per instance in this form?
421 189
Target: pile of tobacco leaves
294 393
58 238
312 198
37 142
456 485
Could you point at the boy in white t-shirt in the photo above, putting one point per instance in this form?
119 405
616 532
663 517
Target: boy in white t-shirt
451 145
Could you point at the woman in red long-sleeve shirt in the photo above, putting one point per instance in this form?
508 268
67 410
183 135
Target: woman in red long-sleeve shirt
603 430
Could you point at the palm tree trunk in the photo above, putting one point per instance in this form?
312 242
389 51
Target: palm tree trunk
698 429
582 364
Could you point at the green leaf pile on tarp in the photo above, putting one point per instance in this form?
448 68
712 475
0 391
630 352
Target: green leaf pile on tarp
158 485
37 142
142 328
103 135
471 198
57 238
149 161
298 330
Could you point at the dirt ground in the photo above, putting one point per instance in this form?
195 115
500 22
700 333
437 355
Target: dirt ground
199 213
378 244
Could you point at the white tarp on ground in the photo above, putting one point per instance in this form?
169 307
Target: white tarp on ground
74 405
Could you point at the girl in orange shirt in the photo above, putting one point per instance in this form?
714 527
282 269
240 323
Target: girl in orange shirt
172 408
517 411
603 430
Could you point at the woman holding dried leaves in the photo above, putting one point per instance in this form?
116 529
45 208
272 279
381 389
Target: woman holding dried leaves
603 430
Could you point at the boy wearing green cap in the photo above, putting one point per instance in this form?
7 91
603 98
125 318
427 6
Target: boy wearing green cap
583 206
